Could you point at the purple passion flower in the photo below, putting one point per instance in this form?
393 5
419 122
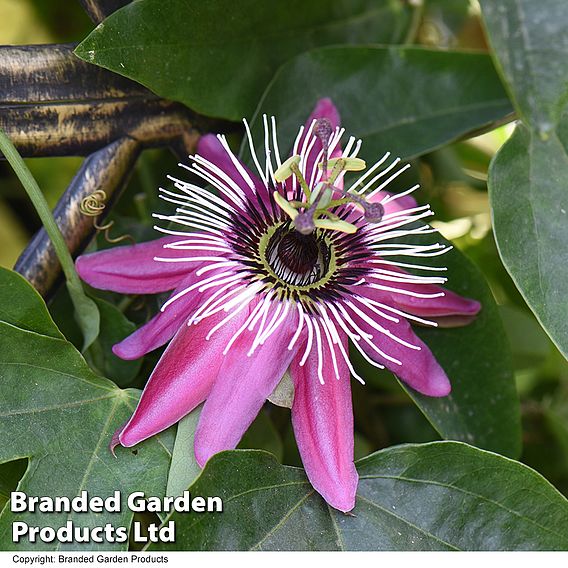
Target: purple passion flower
272 274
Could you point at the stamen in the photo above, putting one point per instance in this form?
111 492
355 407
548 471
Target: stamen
355 339
225 320
186 259
275 142
366 337
265 310
406 292
387 181
372 303
381 174
194 225
407 265
369 172
215 265
265 305
273 319
396 196
285 205
213 301
202 165
390 276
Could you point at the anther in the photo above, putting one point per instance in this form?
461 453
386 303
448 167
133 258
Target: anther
285 170
348 164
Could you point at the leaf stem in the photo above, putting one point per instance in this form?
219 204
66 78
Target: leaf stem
417 7
86 311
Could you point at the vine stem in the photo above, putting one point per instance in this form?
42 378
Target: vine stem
86 311
417 7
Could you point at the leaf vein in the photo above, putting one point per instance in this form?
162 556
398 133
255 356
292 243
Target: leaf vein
407 522
466 492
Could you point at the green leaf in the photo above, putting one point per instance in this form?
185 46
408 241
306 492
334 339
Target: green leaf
528 176
86 312
557 422
10 475
216 57
57 413
283 394
115 326
184 468
405 100
531 45
23 307
527 188
529 344
437 496
444 21
483 407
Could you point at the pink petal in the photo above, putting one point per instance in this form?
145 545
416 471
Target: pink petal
453 321
322 417
162 327
210 148
133 270
181 380
243 386
419 368
449 310
324 109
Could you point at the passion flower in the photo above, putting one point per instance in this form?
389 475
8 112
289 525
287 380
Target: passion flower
277 270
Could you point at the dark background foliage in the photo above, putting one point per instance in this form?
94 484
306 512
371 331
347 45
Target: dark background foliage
440 83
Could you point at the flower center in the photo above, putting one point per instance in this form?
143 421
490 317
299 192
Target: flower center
296 259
